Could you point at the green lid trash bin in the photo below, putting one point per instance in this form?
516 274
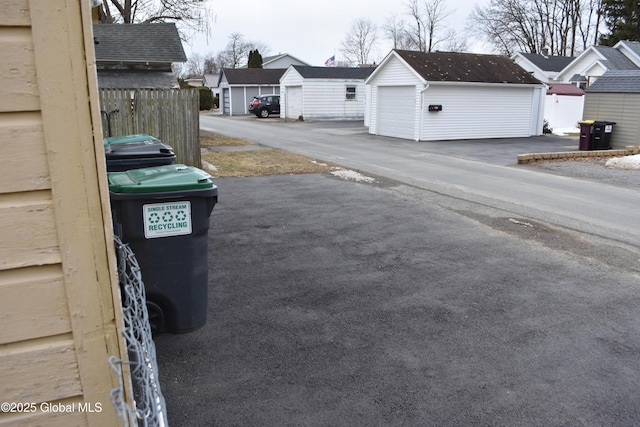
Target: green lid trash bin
163 214
137 151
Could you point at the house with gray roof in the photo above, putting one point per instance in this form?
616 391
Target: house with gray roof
281 60
597 60
133 56
238 86
323 93
448 96
615 97
543 67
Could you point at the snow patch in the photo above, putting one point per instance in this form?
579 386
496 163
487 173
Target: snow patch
353 176
626 162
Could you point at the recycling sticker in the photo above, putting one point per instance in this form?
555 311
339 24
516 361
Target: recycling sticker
167 219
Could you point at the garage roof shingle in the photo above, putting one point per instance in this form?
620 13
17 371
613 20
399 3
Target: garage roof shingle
466 67
253 76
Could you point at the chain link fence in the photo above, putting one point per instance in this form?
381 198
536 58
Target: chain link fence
149 408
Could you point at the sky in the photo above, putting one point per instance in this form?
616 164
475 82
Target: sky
311 31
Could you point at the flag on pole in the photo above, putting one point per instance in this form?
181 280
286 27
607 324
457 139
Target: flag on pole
330 62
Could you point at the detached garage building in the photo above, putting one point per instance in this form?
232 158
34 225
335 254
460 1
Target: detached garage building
446 96
238 86
323 92
615 97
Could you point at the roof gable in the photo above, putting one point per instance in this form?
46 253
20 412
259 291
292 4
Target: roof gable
615 60
138 43
251 76
547 63
630 49
268 60
466 67
333 72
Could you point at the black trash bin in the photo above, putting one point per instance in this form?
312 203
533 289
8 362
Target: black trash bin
602 131
586 135
163 214
137 151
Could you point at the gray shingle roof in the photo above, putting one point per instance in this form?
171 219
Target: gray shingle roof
360 73
614 59
466 67
253 76
617 81
633 45
138 43
548 63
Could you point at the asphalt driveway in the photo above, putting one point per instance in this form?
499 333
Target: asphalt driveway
334 303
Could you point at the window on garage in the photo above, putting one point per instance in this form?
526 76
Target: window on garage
351 92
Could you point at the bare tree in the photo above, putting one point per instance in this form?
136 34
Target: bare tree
416 33
454 42
359 42
194 66
395 29
236 53
192 16
428 18
435 13
564 27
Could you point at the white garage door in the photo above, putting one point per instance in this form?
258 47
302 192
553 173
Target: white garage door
293 102
396 111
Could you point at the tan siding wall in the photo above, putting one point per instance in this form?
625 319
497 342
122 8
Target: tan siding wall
59 305
624 109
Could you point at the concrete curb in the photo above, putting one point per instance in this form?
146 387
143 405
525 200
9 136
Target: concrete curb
567 155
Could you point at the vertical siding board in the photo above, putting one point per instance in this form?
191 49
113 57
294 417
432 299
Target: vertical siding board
61 33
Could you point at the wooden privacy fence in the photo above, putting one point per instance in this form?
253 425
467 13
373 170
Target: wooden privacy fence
171 115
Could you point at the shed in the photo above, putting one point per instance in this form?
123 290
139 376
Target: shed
323 92
134 56
59 294
238 86
615 97
447 96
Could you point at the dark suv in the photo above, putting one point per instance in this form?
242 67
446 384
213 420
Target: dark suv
265 105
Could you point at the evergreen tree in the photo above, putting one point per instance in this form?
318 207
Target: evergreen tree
255 59
622 18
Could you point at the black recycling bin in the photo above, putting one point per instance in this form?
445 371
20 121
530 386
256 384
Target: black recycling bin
602 131
137 151
586 135
163 214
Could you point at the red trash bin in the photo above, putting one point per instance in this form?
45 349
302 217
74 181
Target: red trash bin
586 135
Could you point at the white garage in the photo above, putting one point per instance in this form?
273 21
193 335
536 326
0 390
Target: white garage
323 93
447 96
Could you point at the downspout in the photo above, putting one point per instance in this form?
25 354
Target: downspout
422 104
